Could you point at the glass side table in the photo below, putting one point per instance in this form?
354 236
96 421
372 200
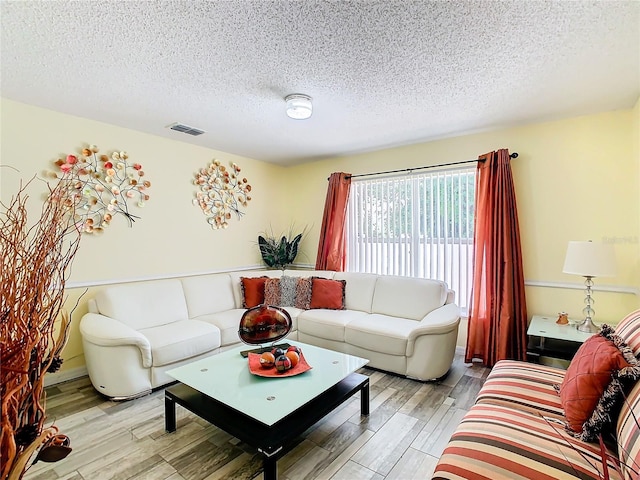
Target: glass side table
547 338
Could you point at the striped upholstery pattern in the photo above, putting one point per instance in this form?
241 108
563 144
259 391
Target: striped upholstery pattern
501 443
525 386
629 330
628 433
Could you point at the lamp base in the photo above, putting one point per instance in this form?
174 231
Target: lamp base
588 326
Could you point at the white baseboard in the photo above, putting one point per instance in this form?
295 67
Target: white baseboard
460 350
65 376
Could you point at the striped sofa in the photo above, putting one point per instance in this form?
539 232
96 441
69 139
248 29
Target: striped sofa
514 430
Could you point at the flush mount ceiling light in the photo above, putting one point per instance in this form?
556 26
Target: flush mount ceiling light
298 106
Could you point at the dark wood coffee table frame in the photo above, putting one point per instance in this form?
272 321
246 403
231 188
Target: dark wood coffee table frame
272 442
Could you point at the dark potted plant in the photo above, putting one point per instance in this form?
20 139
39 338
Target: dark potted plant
279 252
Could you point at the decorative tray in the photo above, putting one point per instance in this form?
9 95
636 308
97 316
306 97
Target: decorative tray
256 368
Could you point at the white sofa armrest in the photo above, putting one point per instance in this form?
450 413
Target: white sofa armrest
437 322
108 332
451 297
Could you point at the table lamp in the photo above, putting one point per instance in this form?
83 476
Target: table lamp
589 259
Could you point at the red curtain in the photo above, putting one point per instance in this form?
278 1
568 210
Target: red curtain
498 314
331 247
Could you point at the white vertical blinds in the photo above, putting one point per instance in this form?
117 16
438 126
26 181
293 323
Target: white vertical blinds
418 225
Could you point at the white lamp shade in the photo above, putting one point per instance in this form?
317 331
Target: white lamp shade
590 259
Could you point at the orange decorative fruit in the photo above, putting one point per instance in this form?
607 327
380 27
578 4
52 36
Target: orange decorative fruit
267 360
294 357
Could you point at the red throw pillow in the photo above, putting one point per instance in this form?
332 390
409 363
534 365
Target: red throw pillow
327 293
592 388
252 291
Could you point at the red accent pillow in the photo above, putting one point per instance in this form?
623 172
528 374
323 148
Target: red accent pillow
591 390
252 291
327 293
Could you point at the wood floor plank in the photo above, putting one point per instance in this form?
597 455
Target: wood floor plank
305 467
384 449
429 404
173 445
412 403
334 420
455 373
72 476
160 471
239 468
45 475
414 465
355 471
440 436
424 438
91 453
466 391
126 464
203 458
299 451
338 442
332 468
375 376
175 476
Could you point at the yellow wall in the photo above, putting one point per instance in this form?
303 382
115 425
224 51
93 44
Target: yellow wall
576 179
635 129
172 236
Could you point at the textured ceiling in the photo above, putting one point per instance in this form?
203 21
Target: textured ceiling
381 73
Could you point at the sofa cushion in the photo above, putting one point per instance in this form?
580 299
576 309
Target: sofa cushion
228 322
359 293
293 313
525 386
252 291
326 293
629 330
503 443
145 304
327 324
407 297
592 386
380 333
181 340
628 433
208 294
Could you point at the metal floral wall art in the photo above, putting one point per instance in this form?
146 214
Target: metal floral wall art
221 193
103 187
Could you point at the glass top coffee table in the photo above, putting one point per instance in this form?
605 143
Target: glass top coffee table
267 413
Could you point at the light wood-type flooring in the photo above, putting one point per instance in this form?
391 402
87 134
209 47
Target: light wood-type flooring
409 426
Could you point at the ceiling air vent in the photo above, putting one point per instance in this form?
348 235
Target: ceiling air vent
179 127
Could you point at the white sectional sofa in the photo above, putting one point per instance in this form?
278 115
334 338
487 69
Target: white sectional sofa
135 332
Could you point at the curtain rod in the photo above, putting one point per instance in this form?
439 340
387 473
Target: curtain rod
513 155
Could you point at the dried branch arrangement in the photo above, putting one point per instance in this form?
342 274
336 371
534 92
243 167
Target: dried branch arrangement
34 266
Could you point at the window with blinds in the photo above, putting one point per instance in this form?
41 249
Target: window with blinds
418 225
